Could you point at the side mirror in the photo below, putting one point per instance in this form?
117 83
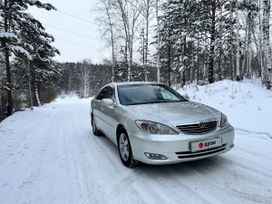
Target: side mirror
107 101
186 97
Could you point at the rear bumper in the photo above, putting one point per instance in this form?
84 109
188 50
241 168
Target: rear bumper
176 148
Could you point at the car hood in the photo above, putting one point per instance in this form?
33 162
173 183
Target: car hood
175 113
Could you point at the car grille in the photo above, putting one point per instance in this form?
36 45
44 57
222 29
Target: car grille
198 128
189 154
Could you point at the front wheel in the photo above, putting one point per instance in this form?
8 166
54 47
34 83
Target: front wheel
125 152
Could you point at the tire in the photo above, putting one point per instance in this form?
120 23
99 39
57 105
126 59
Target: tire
124 149
96 132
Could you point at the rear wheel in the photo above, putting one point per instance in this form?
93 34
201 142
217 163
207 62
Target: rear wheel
125 152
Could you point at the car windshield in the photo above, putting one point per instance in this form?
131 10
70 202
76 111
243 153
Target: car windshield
135 94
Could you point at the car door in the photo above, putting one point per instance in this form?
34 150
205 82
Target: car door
105 114
96 107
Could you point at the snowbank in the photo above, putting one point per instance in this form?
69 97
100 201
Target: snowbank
247 104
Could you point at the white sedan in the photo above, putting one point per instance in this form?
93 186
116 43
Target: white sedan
153 124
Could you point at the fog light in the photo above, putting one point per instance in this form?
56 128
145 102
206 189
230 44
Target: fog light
155 156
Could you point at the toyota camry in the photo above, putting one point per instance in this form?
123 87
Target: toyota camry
153 124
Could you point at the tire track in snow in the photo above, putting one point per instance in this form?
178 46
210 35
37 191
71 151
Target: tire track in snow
116 187
21 182
120 184
254 132
25 134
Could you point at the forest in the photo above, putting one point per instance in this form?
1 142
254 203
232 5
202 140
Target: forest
176 42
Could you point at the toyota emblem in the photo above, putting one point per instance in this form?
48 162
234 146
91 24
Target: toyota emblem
201 125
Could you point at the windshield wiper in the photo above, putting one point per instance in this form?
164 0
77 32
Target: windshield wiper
152 102
172 101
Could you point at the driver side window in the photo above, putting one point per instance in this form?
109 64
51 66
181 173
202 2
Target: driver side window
107 92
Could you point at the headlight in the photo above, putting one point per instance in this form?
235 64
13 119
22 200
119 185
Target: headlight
155 128
223 121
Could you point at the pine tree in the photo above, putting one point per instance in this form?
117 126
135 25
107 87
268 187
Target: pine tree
41 67
206 34
13 14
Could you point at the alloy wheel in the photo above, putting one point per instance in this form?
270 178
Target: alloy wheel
124 147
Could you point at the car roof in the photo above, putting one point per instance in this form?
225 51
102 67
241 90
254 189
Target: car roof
133 83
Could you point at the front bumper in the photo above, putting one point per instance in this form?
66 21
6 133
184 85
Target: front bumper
176 148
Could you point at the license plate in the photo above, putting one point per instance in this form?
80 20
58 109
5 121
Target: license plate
206 144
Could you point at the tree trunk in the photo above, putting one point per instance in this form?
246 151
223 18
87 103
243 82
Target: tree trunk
29 85
244 66
127 37
198 61
220 44
238 74
37 97
9 83
69 82
250 32
7 62
146 36
260 39
249 69
231 70
130 60
266 41
113 57
158 43
143 55
212 45
183 78
169 64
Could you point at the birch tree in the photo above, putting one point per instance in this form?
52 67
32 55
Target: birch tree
126 18
148 7
266 41
107 23
84 73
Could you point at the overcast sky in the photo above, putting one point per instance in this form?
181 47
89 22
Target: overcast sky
75 30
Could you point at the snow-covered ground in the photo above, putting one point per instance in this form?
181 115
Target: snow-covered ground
248 105
49 155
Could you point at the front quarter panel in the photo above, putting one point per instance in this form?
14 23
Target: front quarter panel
127 119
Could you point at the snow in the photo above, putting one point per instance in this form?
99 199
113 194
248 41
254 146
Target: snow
7 35
49 155
247 104
20 49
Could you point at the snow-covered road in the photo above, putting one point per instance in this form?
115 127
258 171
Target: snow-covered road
50 156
